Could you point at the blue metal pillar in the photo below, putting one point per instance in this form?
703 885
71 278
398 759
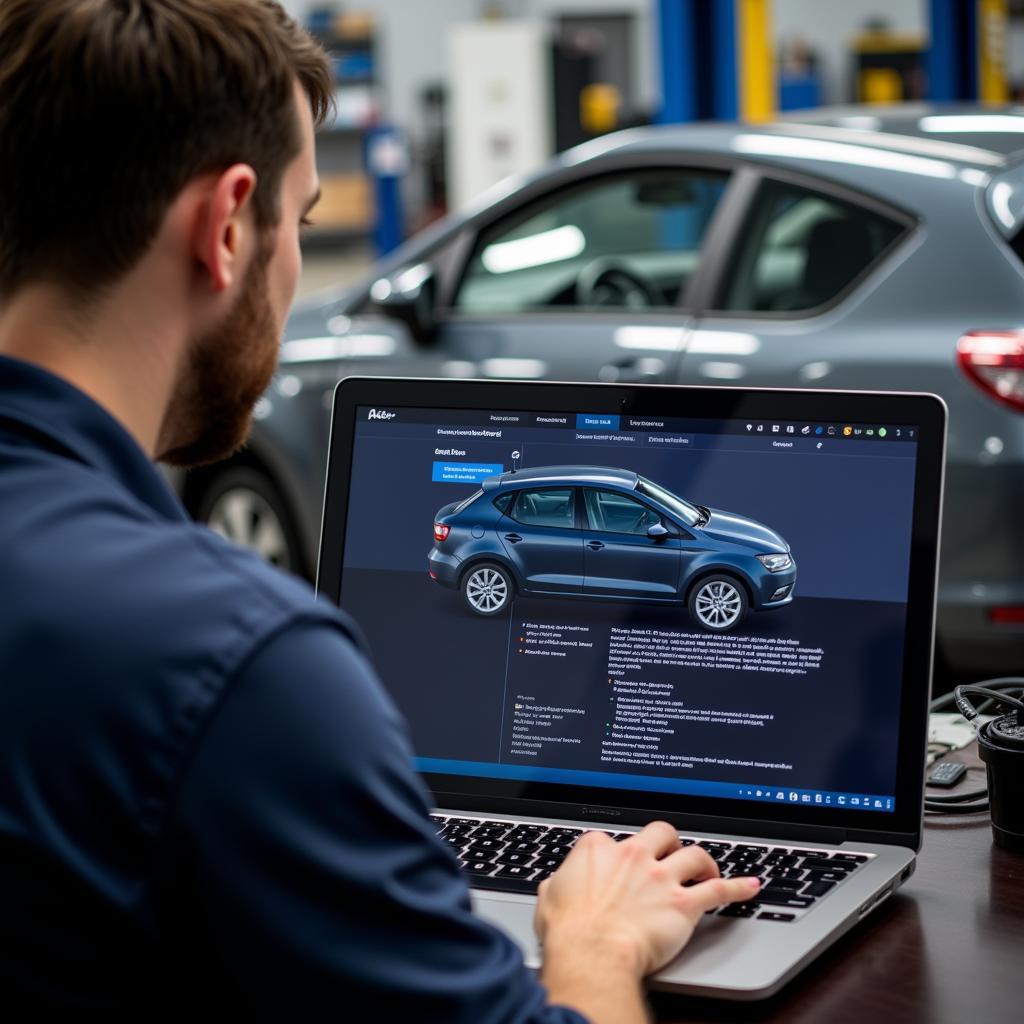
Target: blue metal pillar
952 54
967 56
677 38
717 60
387 161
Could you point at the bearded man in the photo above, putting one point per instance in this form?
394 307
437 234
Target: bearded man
206 800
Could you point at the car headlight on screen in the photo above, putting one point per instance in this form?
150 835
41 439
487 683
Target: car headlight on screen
776 563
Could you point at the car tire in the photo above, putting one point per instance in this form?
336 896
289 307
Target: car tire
245 506
487 589
718 603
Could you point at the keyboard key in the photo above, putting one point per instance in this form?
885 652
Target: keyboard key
826 876
773 915
782 860
553 850
523 847
488 832
751 849
548 863
711 844
825 864
784 899
514 871
817 888
486 844
514 858
788 873
849 858
478 867
619 836
739 910
784 885
541 875
439 818
457 841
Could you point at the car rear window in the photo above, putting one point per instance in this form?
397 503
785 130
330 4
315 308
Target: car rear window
802 249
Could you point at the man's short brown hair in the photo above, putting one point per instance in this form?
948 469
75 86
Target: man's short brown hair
108 108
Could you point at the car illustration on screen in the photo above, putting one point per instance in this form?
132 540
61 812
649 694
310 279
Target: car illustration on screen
594 532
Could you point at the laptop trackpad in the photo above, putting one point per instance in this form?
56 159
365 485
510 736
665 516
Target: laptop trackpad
513 914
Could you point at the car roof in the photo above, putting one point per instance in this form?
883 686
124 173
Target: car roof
550 475
998 129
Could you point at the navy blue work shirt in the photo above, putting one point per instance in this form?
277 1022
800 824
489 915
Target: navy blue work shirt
206 798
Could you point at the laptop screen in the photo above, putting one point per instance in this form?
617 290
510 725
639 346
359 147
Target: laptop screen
698 607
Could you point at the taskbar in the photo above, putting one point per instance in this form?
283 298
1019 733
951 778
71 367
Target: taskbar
654 783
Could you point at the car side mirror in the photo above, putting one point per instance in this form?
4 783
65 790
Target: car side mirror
409 296
657 531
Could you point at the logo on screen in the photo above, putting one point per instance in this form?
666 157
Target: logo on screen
380 414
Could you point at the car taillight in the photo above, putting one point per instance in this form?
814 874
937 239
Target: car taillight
441 531
1007 615
994 360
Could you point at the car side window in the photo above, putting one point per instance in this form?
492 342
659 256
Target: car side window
611 512
549 507
800 249
620 242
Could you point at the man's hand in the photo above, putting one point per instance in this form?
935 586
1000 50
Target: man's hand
615 912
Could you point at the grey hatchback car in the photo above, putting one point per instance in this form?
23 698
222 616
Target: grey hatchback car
840 251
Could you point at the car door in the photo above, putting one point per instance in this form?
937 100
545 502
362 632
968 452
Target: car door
781 307
585 280
540 536
620 557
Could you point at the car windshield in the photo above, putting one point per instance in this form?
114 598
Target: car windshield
689 514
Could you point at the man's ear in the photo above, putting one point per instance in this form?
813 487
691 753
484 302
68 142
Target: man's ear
224 234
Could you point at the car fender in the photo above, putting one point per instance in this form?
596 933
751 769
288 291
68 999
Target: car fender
482 554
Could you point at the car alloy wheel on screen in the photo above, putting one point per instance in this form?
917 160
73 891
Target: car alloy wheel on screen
718 603
487 589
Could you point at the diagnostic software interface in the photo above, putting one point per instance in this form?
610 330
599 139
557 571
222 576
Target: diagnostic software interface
705 607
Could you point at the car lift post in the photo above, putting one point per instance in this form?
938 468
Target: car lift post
717 60
967 56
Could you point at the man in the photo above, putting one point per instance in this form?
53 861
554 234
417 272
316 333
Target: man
206 800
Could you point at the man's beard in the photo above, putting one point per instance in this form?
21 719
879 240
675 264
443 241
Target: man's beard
224 373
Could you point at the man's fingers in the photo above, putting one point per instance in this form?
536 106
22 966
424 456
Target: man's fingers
716 892
692 863
659 838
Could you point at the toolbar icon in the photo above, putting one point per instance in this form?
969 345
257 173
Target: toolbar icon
847 431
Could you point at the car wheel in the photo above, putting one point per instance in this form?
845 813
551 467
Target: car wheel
245 506
487 589
718 603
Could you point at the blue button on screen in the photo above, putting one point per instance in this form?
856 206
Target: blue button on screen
464 472
596 421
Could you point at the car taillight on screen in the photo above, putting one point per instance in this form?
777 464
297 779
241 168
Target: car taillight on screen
441 532
994 360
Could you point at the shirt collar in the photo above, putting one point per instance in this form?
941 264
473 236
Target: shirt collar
50 406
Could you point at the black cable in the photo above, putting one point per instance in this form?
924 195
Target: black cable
974 801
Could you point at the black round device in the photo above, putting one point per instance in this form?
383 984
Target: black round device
1001 746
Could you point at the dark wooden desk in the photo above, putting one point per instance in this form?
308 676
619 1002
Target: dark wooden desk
948 948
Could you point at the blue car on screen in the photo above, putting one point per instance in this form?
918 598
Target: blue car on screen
593 532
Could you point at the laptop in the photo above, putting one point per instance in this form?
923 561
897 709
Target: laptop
600 605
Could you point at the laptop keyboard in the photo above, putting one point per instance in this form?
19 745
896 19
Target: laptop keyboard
515 856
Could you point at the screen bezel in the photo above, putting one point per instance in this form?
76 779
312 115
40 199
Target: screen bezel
925 412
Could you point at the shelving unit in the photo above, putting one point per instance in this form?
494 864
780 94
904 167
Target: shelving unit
345 209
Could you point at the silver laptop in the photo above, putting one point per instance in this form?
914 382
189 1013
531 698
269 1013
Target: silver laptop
600 605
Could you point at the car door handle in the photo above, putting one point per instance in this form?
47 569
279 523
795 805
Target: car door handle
513 538
595 545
